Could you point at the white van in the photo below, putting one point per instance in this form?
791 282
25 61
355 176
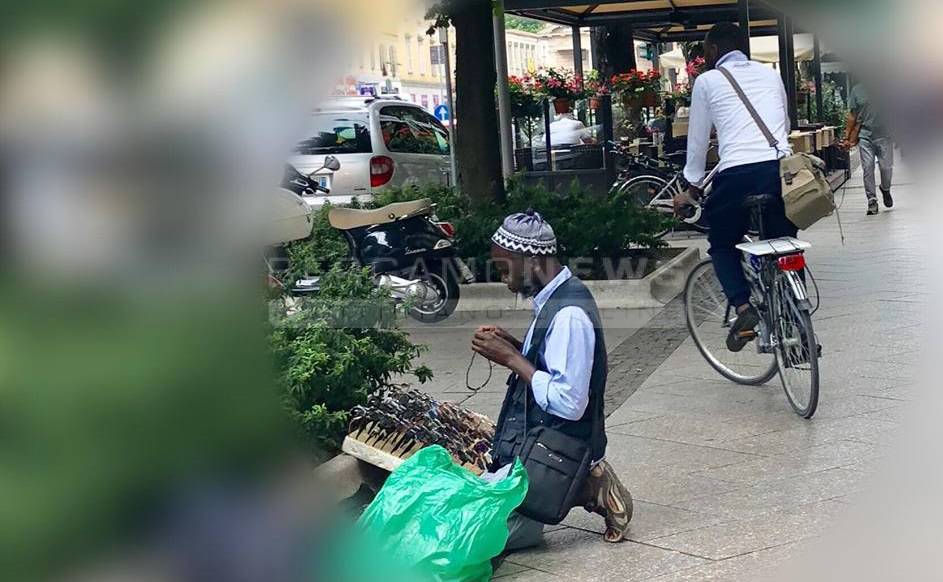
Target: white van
380 143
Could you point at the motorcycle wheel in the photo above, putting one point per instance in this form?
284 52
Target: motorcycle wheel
443 278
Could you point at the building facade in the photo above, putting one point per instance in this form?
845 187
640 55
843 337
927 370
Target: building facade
399 63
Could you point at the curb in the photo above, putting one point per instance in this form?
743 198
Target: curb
653 291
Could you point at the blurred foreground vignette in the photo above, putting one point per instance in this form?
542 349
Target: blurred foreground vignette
141 434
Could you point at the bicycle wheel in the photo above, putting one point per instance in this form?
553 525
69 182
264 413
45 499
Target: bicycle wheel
641 189
708 319
797 352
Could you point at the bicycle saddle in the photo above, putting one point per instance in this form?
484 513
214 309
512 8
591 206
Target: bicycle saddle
758 200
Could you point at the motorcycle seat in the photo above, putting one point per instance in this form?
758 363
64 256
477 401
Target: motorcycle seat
349 218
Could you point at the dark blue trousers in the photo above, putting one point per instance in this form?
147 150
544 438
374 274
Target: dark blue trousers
729 220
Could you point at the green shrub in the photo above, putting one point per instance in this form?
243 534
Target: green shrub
321 252
586 224
336 349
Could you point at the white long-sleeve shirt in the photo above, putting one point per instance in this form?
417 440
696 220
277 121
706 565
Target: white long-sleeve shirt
563 390
715 103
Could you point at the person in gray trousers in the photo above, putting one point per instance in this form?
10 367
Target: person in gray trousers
866 129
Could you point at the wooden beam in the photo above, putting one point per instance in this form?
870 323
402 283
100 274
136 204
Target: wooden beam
743 13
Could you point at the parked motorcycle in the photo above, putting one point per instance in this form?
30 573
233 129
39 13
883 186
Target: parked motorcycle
409 251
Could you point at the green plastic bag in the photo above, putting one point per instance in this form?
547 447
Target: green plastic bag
441 519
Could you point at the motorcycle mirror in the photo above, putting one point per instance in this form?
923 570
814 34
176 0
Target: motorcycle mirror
332 163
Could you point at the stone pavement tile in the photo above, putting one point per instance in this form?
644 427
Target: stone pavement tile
840 453
507 569
672 485
626 414
778 417
578 555
686 399
813 433
895 414
853 405
649 521
778 495
764 469
531 575
881 369
751 567
638 455
905 357
726 540
696 430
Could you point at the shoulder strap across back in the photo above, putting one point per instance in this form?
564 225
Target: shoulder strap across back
773 142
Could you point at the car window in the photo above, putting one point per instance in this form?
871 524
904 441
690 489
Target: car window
336 134
411 130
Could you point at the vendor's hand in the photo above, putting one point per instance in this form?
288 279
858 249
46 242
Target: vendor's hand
502 333
846 144
495 348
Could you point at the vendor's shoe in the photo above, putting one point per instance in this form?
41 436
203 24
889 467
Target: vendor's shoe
888 200
605 495
873 207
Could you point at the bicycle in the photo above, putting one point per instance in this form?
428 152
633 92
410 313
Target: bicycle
785 341
654 188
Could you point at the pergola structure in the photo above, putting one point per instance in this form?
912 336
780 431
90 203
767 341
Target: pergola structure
660 21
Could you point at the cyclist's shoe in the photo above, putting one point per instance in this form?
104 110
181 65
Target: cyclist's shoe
888 200
743 329
872 207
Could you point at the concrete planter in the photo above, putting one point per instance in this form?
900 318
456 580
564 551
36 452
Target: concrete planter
652 291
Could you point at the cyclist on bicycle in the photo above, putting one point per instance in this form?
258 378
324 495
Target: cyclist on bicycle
748 165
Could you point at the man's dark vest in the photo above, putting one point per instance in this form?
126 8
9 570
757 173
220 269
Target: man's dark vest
509 431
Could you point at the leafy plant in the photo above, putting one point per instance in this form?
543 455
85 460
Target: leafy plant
525 96
634 83
335 349
834 109
521 23
595 85
586 224
317 254
559 84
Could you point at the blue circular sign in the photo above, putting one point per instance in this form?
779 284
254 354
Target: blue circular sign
441 112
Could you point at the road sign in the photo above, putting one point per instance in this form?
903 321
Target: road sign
441 112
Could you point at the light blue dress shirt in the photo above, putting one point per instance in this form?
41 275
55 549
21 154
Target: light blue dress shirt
563 390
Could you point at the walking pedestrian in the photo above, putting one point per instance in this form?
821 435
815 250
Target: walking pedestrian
866 130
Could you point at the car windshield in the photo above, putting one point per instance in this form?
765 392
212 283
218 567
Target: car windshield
337 134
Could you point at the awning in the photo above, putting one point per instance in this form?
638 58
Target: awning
765 49
672 60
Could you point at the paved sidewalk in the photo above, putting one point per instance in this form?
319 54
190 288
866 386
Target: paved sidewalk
728 481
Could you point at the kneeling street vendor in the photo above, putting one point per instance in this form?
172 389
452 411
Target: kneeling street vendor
566 372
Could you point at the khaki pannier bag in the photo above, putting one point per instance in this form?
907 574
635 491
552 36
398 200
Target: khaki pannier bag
806 192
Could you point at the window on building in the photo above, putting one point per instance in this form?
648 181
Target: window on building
423 56
392 61
409 54
381 56
373 59
425 102
435 100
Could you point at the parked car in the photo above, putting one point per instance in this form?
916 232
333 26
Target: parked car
380 143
